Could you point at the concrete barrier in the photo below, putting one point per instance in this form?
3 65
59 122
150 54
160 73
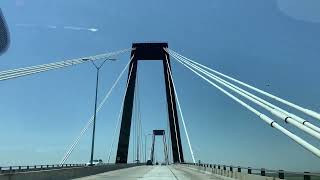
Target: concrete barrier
64 173
229 175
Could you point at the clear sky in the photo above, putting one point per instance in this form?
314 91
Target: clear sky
260 42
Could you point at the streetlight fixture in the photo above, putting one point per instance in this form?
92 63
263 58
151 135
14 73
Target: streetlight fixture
95 103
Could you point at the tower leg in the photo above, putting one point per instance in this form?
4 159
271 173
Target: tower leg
177 152
124 137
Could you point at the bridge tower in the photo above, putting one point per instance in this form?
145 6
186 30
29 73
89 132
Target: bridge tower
149 51
165 150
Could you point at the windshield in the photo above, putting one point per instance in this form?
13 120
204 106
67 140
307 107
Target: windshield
225 82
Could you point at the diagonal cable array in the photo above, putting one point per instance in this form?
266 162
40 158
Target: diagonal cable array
19 72
304 110
276 111
89 123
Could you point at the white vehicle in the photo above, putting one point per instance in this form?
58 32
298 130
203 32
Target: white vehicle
95 162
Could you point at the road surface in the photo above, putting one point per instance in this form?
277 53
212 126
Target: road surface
172 172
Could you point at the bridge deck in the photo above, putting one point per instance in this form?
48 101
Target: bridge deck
152 173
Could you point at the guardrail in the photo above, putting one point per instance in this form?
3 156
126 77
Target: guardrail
281 174
12 169
61 172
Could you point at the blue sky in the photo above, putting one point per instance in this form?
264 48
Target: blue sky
260 42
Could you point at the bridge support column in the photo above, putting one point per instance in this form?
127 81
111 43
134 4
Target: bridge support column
149 51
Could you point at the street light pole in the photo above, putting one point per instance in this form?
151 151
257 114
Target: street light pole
95 107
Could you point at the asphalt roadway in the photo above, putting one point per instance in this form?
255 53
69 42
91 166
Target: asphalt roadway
171 172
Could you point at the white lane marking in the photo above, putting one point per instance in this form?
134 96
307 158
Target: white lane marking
159 173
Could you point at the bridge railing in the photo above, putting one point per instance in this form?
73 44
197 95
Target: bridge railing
57 171
10 169
281 174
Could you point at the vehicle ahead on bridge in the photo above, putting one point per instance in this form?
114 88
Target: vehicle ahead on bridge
149 163
95 162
